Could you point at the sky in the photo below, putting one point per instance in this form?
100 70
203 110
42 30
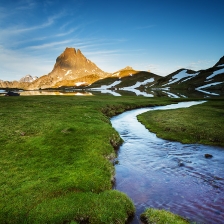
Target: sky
157 35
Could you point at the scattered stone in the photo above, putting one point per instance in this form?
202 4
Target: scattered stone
208 156
10 93
180 163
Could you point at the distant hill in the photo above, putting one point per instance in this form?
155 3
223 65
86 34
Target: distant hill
28 78
211 78
125 79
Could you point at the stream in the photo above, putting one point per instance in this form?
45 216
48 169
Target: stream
169 175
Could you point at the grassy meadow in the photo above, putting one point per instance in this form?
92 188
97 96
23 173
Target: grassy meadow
56 163
201 123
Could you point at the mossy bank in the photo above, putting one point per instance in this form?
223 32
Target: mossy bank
197 124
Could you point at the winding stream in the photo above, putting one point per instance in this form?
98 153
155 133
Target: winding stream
169 175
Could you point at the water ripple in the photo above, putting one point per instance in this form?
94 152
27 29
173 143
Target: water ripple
170 175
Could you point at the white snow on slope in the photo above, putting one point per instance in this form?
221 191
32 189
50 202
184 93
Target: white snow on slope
192 75
171 95
68 72
137 84
111 85
205 86
216 73
181 75
220 65
208 93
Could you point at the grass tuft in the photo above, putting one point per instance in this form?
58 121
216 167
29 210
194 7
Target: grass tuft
157 216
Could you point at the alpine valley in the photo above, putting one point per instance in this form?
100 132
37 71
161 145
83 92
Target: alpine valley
73 70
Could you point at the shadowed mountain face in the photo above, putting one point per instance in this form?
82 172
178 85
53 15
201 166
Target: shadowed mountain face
208 79
73 69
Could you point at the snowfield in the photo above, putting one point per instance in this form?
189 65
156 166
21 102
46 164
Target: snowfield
109 86
216 73
181 75
137 84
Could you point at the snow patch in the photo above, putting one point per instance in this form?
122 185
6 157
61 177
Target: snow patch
208 93
205 86
68 72
171 95
181 75
137 84
216 73
111 85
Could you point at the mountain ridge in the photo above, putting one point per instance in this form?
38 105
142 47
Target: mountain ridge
73 69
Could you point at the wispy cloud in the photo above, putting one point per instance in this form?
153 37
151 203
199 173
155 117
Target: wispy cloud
66 33
200 64
49 45
19 7
18 29
15 65
25 5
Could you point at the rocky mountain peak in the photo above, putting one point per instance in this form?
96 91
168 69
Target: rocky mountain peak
71 69
28 78
128 68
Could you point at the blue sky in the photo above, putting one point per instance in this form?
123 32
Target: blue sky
157 35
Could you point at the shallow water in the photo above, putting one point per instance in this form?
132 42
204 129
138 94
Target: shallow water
169 175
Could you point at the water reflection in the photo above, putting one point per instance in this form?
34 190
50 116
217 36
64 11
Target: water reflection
169 175
49 92
76 93
165 92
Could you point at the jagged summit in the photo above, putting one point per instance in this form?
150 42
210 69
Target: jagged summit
28 78
73 61
127 68
72 68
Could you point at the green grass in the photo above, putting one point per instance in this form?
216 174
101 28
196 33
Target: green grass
55 163
197 124
157 216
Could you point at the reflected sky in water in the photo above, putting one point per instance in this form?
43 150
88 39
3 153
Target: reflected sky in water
169 175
